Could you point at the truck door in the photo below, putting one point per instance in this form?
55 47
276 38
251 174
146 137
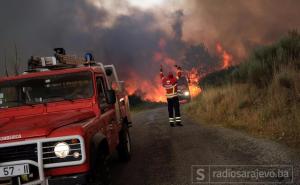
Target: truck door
108 115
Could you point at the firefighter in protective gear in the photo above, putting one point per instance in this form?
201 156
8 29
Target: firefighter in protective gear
170 84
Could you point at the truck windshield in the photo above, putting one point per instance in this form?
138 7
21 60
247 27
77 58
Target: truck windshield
46 89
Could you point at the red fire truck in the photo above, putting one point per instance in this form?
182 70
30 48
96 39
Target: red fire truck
61 120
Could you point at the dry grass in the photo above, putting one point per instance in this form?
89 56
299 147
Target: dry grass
270 112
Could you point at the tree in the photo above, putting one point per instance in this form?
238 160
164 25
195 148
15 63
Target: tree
198 56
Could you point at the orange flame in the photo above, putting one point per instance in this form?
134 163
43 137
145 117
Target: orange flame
194 78
152 90
148 90
195 90
226 57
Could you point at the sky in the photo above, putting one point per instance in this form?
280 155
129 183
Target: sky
138 35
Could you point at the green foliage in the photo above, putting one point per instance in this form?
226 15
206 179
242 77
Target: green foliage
262 63
266 60
260 96
218 78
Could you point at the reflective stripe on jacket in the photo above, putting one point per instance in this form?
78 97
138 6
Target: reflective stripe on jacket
170 84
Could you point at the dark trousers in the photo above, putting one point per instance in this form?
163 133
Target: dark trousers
173 104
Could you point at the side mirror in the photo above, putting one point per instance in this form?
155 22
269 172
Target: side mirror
111 97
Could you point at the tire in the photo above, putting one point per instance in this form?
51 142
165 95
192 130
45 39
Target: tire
101 173
124 148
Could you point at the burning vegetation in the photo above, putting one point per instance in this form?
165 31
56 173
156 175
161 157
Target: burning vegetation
138 39
260 96
224 55
195 60
151 90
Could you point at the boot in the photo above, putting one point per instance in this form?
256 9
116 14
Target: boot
178 121
171 121
179 124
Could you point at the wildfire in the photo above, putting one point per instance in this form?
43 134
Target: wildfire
152 90
194 79
193 76
226 57
148 90
195 90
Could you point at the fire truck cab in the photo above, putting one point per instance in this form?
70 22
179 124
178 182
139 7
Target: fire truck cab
61 120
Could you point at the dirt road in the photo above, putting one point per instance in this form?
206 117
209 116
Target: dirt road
163 155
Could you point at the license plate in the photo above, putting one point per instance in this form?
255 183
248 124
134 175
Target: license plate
14 170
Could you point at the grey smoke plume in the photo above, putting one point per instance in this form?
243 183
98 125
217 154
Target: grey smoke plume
130 38
240 25
78 26
177 24
38 26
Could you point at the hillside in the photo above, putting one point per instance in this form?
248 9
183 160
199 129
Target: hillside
261 96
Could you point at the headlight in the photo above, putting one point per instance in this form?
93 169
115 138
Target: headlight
62 150
186 93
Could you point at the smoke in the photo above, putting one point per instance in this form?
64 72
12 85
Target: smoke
36 27
240 25
131 43
127 40
177 24
136 39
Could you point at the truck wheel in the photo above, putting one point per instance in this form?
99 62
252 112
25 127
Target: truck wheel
124 148
101 172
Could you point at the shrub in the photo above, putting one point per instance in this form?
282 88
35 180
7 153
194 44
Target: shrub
218 78
259 68
272 111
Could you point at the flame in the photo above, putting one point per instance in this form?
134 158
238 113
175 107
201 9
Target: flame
226 57
152 90
148 90
194 78
195 90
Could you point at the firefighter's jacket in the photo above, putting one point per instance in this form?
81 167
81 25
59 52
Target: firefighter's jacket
170 84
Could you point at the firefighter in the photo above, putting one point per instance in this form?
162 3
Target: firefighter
170 84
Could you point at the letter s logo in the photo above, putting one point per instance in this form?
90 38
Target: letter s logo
200 174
